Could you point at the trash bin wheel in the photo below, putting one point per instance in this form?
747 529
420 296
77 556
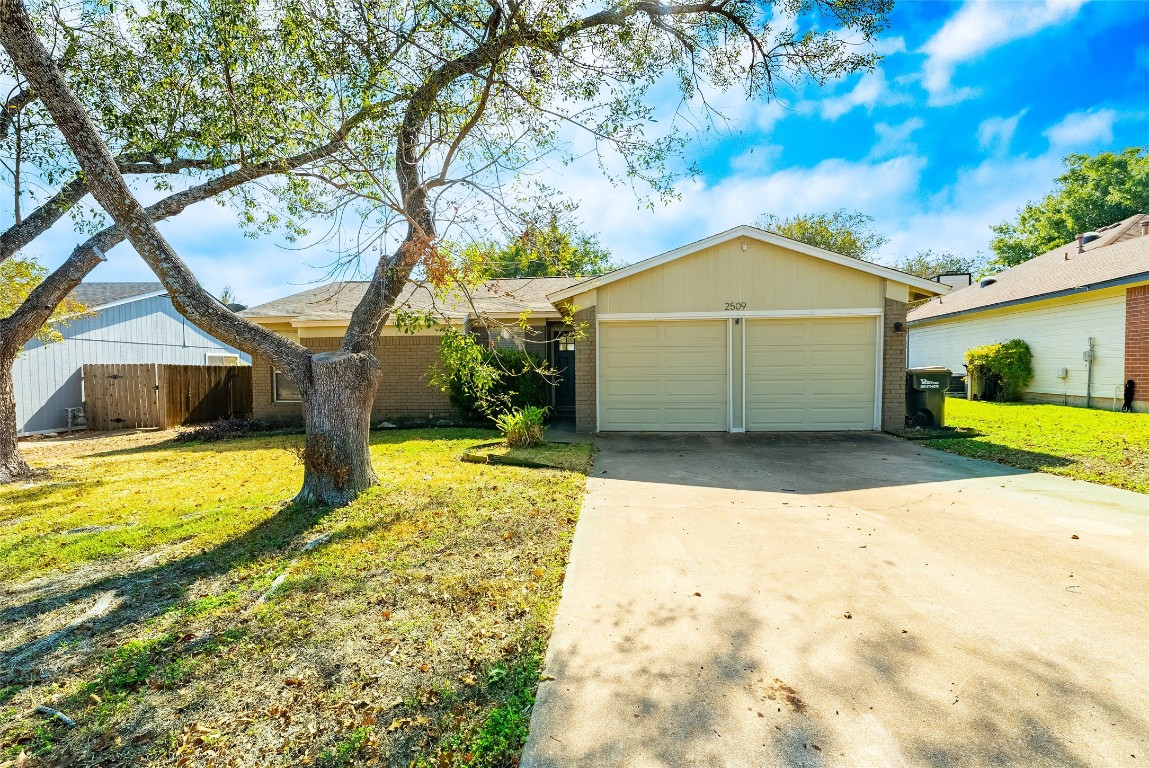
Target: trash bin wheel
922 418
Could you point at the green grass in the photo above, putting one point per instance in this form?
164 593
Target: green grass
1098 446
411 633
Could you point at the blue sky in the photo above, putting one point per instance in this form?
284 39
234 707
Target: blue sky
966 119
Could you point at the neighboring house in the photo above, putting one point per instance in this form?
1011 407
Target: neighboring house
130 323
743 331
1091 294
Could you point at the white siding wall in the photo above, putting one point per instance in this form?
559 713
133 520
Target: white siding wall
1057 331
47 377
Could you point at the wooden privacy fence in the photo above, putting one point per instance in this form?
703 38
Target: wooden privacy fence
148 395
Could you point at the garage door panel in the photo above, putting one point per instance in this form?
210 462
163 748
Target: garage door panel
663 376
810 374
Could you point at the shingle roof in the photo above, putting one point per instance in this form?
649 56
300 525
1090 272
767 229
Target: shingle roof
336 301
1120 253
96 295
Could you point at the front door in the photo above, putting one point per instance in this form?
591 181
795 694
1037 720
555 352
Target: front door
563 361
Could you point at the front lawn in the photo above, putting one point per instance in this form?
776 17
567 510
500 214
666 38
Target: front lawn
1099 446
168 599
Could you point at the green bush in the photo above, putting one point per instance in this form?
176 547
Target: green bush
484 383
1011 362
522 427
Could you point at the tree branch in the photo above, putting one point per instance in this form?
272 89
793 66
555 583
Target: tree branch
108 187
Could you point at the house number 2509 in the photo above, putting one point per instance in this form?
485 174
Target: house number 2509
734 306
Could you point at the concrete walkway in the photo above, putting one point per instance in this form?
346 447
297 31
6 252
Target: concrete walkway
845 600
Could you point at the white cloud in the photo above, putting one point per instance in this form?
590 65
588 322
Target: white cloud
887 46
980 26
870 91
895 139
1083 129
704 208
996 133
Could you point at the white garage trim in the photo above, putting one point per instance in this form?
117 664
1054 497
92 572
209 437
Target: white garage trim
879 367
879 348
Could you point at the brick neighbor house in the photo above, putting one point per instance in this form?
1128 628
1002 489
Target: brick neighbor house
1091 295
742 331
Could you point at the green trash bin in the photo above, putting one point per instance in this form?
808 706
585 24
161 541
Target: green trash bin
926 396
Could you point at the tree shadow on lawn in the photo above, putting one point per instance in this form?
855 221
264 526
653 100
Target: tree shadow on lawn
289 437
1001 454
142 594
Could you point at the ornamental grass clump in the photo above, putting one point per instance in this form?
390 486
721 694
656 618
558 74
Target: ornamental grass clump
522 427
1011 362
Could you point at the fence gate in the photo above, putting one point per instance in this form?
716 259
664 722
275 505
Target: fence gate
122 396
147 395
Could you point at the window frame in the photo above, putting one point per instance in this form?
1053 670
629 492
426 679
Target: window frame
275 388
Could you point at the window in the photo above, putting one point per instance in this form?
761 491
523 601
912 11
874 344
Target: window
566 344
284 389
222 359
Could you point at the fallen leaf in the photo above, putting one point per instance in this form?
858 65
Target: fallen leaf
1075 536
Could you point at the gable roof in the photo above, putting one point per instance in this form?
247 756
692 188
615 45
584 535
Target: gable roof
100 295
1121 255
335 302
928 287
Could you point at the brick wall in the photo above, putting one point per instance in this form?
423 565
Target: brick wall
586 415
894 367
1137 343
405 392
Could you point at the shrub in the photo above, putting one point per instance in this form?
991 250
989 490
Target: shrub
1011 362
522 427
224 429
484 383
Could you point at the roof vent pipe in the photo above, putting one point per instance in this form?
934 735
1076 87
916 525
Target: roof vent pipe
1080 245
986 282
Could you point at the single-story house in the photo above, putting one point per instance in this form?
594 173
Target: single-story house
1087 296
742 331
128 323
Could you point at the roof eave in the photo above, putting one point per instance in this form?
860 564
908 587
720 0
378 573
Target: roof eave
928 287
1114 283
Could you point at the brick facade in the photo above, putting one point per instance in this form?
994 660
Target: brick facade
894 367
1137 343
586 376
405 393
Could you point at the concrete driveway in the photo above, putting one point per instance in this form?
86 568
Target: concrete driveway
845 600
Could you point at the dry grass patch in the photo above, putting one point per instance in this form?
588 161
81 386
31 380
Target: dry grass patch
211 624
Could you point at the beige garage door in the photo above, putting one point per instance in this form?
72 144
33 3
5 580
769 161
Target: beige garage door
815 374
663 376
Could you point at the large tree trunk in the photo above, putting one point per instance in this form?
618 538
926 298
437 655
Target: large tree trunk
337 413
12 464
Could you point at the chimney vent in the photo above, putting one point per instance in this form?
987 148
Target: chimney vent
1080 245
1145 227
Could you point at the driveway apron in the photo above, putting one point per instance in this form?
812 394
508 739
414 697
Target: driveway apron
845 600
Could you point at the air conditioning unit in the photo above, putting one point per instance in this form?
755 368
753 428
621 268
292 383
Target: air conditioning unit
76 418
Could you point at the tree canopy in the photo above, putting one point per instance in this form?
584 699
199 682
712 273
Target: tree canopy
850 233
18 278
929 263
1095 191
547 248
